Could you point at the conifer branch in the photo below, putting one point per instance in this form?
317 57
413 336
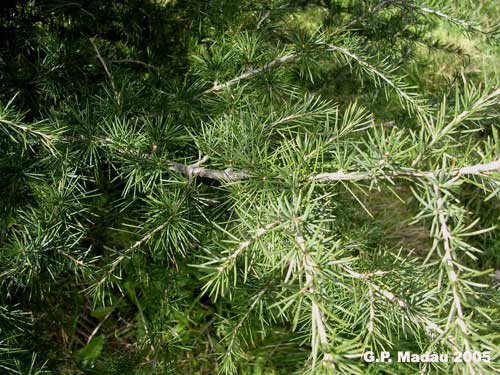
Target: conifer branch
365 277
284 59
277 260
230 175
227 174
252 72
448 258
465 25
46 137
243 246
317 316
413 102
223 266
96 287
481 104
427 324
444 234
477 169
237 327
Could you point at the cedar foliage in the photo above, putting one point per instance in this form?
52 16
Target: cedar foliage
247 187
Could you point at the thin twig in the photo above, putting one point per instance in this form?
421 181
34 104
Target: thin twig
482 102
96 329
137 62
264 17
450 266
131 249
243 246
103 63
237 327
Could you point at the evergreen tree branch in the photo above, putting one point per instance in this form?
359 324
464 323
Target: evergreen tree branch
224 266
413 103
443 237
272 64
469 27
97 286
317 316
230 175
243 246
418 318
448 258
291 271
365 277
286 58
477 169
227 174
481 104
234 332
46 137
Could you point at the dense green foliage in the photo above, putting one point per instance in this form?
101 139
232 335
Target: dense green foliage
248 187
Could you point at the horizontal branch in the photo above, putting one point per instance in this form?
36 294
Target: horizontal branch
232 175
476 169
215 174
136 62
